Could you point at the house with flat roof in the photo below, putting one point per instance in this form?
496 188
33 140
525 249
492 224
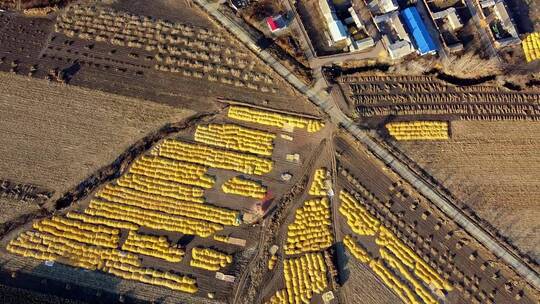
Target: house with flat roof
276 23
382 6
503 29
394 36
336 29
415 25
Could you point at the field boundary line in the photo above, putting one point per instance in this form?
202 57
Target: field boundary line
249 105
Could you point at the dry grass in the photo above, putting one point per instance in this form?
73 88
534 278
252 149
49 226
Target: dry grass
54 136
493 168
12 209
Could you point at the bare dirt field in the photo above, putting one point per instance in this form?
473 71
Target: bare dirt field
55 136
492 167
12 209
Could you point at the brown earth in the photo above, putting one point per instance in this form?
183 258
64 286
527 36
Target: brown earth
12 209
56 135
492 167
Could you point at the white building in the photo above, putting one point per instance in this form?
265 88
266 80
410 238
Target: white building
383 6
337 30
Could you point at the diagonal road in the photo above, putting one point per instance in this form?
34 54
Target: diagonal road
325 103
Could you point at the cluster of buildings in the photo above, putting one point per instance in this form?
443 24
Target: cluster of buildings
402 32
501 25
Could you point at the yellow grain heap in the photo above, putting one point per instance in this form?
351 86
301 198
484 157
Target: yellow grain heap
79 231
409 258
418 130
311 229
318 187
235 137
531 47
49 247
358 218
419 289
154 246
212 157
304 276
274 119
280 297
172 170
102 221
272 262
152 276
244 187
152 219
356 250
206 212
393 282
161 187
209 259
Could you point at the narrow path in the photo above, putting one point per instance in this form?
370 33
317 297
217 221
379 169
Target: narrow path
323 101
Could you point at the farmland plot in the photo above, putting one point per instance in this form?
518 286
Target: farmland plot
55 135
492 167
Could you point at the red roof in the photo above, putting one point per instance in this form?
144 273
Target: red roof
272 23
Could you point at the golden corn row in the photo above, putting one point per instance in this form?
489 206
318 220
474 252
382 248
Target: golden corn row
356 250
154 246
161 187
213 157
152 219
531 47
244 187
49 247
235 137
393 282
304 276
209 259
409 258
274 119
102 221
199 211
418 130
318 187
280 297
311 229
152 276
172 170
73 230
395 263
358 218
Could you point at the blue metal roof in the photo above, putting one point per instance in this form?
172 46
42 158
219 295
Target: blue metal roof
418 30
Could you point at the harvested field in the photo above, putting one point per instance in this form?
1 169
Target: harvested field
55 135
362 286
473 273
376 98
11 209
492 168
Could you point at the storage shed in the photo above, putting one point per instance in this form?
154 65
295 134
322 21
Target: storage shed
417 29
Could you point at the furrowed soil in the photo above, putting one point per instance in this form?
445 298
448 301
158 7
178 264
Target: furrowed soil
492 167
55 135
12 209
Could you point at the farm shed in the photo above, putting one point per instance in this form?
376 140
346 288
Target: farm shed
418 30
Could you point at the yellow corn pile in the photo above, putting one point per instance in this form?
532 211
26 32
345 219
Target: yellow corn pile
304 276
152 219
152 276
274 119
172 170
317 185
272 262
244 187
358 218
207 212
418 130
531 47
311 229
49 247
235 137
356 250
102 221
408 257
213 157
153 246
280 297
221 238
161 187
393 282
79 231
209 259
419 289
